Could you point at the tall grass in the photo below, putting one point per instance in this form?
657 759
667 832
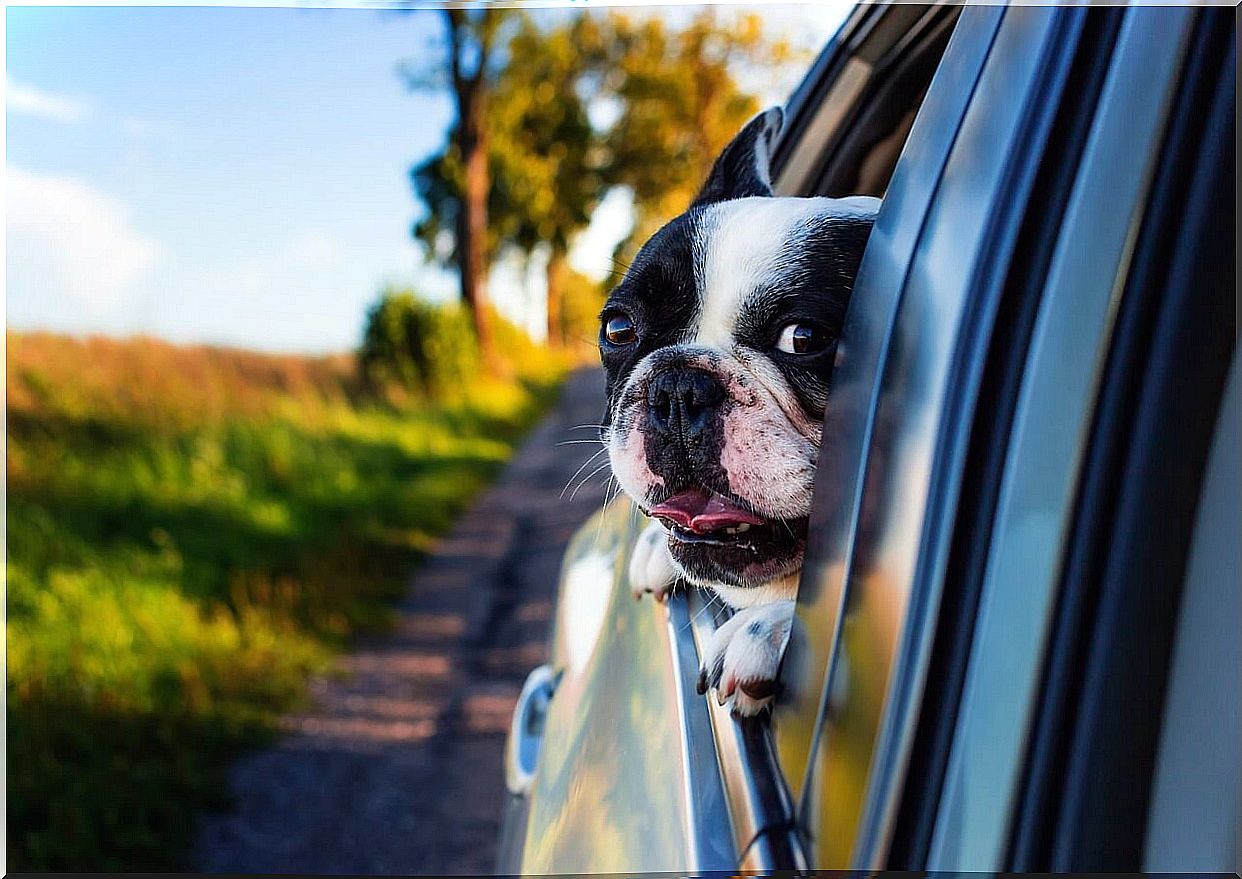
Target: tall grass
192 533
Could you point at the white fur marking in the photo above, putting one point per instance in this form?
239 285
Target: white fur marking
741 248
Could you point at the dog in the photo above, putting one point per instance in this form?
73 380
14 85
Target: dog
718 345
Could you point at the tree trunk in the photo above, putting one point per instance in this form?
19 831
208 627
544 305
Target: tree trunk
472 222
555 298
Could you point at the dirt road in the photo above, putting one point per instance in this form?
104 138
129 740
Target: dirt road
397 769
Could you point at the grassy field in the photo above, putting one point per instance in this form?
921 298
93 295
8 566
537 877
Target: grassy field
193 532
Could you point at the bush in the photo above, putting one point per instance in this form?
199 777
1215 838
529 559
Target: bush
412 349
417 346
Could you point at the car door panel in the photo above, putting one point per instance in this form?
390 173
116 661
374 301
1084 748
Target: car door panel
619 787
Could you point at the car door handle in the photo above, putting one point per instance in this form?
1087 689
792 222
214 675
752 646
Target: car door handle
526 729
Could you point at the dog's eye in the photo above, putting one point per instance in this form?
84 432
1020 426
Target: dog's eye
619 330
803 339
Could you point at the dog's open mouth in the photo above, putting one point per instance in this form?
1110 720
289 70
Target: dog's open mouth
717 536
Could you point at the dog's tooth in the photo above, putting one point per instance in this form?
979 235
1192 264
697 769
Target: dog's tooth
745 526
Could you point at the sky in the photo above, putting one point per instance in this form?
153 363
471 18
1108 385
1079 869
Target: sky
237 176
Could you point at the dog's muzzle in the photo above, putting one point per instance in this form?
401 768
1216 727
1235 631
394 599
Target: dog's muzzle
683 420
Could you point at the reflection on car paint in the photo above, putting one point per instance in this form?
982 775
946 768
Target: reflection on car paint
610 792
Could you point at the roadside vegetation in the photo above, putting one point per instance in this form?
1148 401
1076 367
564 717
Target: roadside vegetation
192 533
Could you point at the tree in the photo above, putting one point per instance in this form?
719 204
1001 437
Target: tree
681 103
543 167
547 157
456 184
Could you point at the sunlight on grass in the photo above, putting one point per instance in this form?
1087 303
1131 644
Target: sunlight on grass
192 533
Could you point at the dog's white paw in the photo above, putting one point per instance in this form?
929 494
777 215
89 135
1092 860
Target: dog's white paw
743 656
651 567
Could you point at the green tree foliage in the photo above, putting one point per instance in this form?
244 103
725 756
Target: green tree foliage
547 157
681 103
677 102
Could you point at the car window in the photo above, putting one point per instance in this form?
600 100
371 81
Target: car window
850 122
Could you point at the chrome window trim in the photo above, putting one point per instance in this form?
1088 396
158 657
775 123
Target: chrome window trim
753 810
1051 420
848 423
711 824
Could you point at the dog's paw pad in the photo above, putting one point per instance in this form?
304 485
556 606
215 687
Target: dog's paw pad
743 657
651 568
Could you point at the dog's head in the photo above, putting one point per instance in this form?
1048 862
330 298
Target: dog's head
718 345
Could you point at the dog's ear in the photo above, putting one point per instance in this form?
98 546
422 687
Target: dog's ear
744 168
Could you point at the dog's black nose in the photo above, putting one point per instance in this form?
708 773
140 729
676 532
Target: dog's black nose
681 402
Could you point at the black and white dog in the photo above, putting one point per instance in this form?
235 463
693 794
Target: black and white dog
718 345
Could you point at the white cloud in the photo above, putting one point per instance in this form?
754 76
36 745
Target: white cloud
29 100
69 242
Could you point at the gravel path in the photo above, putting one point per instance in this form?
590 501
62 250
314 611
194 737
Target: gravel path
398 767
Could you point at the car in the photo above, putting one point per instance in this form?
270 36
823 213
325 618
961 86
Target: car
1015 639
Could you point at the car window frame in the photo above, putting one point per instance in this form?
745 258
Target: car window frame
1044 461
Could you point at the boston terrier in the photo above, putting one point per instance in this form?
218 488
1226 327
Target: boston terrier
718 344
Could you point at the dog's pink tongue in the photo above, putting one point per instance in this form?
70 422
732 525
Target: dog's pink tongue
702 511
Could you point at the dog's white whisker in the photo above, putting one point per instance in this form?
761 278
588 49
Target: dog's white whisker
585 464
587 479
692 620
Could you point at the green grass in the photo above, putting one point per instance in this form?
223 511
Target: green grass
191 534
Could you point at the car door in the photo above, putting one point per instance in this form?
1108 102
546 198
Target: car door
958 445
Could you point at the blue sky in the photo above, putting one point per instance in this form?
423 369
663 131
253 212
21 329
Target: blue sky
225 175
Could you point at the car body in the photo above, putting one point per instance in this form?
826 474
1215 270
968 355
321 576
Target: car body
1014 646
